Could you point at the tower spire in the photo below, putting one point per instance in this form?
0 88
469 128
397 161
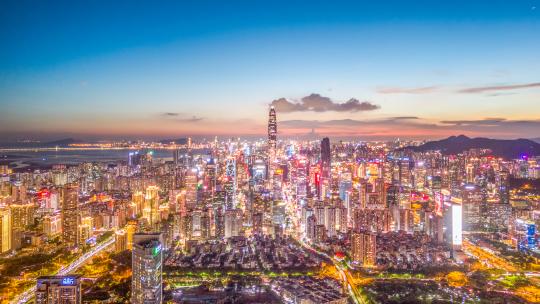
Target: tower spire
272 130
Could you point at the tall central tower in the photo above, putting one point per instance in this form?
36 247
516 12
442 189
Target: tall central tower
326 157
272 130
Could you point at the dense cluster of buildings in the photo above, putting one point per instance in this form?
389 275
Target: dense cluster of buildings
247 204
252 253
309 290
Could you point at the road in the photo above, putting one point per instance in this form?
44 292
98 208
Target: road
488 257
29 293
345 275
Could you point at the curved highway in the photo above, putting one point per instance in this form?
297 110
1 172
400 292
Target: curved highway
29 293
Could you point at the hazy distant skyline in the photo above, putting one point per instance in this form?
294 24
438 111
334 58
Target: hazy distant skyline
114 69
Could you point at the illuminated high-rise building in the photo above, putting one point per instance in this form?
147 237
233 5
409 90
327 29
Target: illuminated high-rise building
330 220
326 158
405 173
52 225
147 259
470 173
233 223
120 243
151 206
18 191
138 200
311 222
4 170
456 226
58 289
504 187
364 248
200 225
272 131
131 228
22 215
196 224
474 205
231 183
5 230
345 185
191 187
134 159
70 215
84 233
211 175
60 178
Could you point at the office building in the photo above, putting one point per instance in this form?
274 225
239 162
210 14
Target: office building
147 259
272 131
58 290
364 248
70 215
5 230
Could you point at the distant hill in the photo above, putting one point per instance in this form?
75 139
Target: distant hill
508 149
61 143
37 144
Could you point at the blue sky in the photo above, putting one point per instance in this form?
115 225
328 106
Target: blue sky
113 69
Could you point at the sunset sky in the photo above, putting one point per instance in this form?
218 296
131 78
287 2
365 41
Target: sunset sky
362 69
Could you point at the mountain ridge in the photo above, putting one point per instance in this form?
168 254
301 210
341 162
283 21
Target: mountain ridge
506 148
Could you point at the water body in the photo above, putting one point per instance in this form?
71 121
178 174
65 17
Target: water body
19 160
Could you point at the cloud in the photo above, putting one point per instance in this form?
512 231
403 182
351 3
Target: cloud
174 116
318 103
190 119
400 90
479 122
500 88
386 122
170 114
503 124
414 127
404 117
501 94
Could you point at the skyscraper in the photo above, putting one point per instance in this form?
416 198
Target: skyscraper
70 215
325 164
233 222
58 289
191 183
151 205
120 243
364 248
230 186
272 130
147 259
22 215
131 228
5 230
504 187
52 225
325 156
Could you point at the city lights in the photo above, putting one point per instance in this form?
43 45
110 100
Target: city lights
298 152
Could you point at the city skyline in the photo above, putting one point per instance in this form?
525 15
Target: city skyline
299 152
345 70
